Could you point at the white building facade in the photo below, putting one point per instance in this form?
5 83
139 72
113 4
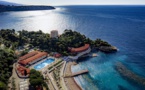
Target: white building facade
54 34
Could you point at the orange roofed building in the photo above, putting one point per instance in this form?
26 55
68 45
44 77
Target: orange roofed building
80 49
21 70
28 55
32 58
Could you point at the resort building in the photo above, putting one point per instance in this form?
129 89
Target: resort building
54 34
81 51
28 55
32 58
23 71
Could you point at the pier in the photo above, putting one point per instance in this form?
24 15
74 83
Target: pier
76 73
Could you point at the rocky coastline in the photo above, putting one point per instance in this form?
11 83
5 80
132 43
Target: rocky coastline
108 49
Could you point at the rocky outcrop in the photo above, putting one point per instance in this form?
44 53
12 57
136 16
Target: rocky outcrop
129 74
107 49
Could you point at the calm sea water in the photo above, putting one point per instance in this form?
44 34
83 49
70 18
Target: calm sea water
122 26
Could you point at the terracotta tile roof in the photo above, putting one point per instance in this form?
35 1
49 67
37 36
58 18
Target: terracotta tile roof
80 49
57 55
28 55
22 69
33 58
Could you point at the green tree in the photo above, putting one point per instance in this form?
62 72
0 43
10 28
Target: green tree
36 79
2 86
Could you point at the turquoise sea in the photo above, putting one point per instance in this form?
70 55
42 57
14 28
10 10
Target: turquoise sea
122 26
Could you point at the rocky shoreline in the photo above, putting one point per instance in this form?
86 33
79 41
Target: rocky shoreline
108 49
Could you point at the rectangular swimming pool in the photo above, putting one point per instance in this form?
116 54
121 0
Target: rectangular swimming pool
44 63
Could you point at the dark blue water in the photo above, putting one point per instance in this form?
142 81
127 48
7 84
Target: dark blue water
122 26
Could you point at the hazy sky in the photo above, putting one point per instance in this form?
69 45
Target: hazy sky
78 2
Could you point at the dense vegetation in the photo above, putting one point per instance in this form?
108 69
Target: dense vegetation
43 41
2 86
36 79
68 39
7 58
9 38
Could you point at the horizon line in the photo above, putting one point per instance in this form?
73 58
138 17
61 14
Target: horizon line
89 4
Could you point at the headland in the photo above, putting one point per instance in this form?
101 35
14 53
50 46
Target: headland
4 8
44 59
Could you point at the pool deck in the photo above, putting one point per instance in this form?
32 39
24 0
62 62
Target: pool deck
43 64
50 76
67 83
32 66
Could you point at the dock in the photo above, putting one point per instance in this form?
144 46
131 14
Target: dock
76 73
79 73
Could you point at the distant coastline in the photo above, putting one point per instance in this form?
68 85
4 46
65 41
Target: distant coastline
4 8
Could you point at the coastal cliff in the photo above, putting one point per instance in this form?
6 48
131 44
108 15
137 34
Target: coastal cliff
4 8
104 46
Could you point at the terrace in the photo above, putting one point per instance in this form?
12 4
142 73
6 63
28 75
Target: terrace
52 73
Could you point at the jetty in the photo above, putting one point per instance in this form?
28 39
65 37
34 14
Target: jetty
76 73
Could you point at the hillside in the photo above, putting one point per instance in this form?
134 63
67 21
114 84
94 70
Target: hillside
9 3
9 6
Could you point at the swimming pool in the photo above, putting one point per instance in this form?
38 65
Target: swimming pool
43 64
